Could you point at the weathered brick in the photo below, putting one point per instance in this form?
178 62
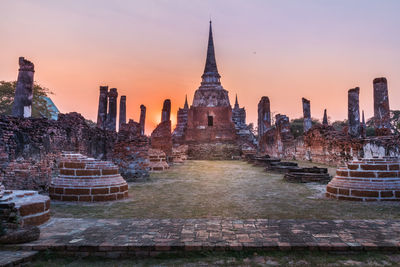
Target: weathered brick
29 209
77 191
364 193
100 191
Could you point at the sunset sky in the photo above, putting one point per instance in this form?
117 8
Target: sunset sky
153 50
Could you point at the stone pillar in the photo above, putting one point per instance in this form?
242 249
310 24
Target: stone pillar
354 112
112 109
22 106
142 118
264 116
306 115
381 107
122 110
325 119
102 111
363 126
166 111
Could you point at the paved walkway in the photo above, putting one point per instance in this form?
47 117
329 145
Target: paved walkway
116 237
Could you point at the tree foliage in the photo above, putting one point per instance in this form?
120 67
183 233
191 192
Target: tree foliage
297 126
40 107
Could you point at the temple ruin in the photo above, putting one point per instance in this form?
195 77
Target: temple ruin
381 107
307 123
22 106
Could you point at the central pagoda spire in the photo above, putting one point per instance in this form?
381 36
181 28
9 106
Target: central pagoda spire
210 74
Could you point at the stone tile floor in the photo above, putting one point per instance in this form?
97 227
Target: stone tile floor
119 237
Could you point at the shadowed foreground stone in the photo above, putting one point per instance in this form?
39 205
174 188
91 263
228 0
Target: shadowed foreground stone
21 235
149 237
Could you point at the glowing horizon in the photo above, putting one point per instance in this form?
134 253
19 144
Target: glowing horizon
154 50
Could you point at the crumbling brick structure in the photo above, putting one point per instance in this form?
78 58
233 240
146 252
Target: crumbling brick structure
354 112
30 148
161 137
112 109
102 110
307 123
178 135
22 106
381 107
122 111
142 118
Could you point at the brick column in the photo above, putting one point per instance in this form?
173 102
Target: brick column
264 116
166 111
381 107
354 112
142 118
22 106
122 111
102 111
306 115
112 109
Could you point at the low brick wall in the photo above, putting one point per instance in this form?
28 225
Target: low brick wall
85 179
367 180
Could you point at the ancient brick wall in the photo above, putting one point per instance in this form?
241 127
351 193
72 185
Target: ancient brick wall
30 148
213 151
161 138
323 144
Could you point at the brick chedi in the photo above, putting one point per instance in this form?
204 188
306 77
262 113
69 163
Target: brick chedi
102 110
122 111
86 179
209 124
381 107
112 109
354 112
367 180
22 106
178 135
238 115
307 123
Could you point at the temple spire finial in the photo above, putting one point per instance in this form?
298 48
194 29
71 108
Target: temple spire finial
210 70
186 106
236 102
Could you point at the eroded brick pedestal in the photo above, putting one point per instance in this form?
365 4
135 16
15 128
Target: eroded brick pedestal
367 180
24 207
86 179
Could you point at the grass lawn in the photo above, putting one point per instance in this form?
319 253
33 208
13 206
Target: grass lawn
229 189
234 259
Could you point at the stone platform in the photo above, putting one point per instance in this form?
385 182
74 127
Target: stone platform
88 180
150 237
371 179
